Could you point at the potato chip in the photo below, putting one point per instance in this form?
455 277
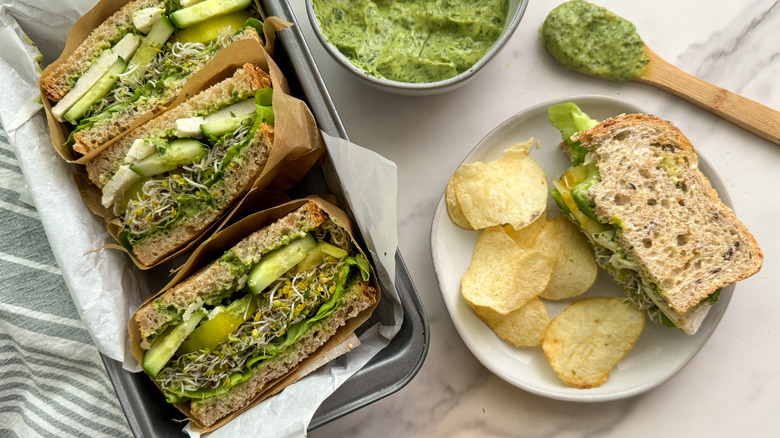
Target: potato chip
503 276
453 208
526 236
523 327
575 269
511 190
589 337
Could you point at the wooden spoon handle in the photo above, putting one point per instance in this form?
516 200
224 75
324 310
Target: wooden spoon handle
741 111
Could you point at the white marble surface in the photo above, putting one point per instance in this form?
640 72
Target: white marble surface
732 387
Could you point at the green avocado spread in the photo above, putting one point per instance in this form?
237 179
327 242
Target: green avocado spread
410 40
592 40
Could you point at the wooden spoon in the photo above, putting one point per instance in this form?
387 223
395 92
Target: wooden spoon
741 111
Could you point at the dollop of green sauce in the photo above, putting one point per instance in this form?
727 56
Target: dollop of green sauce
592 40
412 40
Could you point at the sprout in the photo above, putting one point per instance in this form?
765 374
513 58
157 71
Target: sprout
276 314
158 202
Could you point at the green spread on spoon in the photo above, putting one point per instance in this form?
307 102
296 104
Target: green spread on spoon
592 40
410 40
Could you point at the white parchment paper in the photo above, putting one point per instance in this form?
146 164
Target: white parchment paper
106 287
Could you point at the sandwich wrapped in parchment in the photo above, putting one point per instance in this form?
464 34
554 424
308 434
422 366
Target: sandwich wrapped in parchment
217 341
171 178
136 61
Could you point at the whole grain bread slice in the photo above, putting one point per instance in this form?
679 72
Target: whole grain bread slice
237 179
211 281
669 219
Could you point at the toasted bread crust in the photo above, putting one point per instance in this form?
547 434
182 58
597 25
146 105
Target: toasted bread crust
217 275
669 217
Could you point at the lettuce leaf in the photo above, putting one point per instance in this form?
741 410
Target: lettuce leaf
569 119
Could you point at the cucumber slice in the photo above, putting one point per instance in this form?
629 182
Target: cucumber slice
228 119
165 346
279 261
236 110
160 32
123 49
203 11
317 255
100 89
178 153
212 332
133 192
224 126
208 31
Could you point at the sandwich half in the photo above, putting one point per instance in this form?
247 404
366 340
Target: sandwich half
171 178
654 220
138 60
217 340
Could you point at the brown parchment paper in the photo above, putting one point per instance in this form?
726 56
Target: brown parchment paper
297 142
212 250
59 131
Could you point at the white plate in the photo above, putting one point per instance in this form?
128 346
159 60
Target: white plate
659 353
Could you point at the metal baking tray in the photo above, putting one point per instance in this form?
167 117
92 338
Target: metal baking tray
391 369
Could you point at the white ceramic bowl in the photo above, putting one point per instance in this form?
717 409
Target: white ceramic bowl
515 13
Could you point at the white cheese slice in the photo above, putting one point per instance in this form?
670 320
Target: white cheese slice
189 127
140 149
244 108
127 46
115 188
143 19
124 48
694 318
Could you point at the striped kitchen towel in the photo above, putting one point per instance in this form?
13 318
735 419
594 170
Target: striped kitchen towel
52 380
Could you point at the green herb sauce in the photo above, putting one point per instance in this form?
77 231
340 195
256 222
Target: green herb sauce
410 40
592 40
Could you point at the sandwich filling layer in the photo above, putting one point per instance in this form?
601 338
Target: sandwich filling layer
163 179
173 62
271 303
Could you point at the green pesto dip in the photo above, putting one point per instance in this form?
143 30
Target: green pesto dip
412 40
592 40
